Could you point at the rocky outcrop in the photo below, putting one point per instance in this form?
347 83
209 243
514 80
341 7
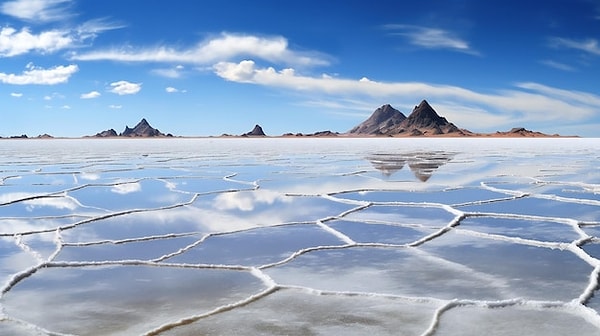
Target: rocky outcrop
318 134
107 134
256 131
384 119
142 129
522 132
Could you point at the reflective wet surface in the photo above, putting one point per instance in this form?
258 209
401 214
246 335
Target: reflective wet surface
299 237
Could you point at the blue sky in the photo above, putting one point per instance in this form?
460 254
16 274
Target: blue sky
75 67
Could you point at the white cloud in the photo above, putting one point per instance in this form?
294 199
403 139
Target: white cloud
90 29
37 10
525 101
13 42
431 38
37 75
16 95
171 89
66 107
115 107
174 72
223 47
90 95
590 45
125 88
53 96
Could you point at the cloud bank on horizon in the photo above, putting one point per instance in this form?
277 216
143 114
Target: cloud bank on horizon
534 67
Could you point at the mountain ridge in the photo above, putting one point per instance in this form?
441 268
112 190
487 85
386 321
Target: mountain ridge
423 120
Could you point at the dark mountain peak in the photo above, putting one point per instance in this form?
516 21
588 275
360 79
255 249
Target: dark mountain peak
382 119
424 110
256 131
424 118
142 129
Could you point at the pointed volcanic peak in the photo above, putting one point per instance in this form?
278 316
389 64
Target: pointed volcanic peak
424 120
142 129
256 131
380 122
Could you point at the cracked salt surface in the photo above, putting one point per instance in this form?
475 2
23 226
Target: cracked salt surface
300 236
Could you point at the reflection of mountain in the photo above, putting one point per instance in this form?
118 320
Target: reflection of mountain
422 164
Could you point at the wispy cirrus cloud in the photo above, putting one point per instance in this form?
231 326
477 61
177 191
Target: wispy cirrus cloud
558 65
38 75
37 10
523 102
125 88
431 38
223 47
590 46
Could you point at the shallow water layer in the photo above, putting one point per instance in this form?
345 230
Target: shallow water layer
299 236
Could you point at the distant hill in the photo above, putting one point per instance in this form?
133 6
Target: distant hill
142 129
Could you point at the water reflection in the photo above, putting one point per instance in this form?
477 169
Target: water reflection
422 164
288 236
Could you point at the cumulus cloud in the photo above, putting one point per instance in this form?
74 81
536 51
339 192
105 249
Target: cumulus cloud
525 101
171 89
37 10
90 95
13 42
16 95
125 88
222 47
37 75
115 107
431 38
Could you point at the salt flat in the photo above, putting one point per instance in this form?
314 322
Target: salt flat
405 236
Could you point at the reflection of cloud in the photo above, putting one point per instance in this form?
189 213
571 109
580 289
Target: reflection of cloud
246 201
57 202
89 176
53 202
126 188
